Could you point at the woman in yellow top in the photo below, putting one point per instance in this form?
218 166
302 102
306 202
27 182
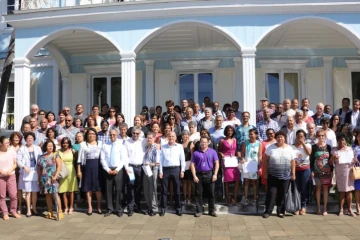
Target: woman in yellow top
68 185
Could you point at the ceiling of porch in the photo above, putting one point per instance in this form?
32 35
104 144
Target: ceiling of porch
188 38
82 42
305 34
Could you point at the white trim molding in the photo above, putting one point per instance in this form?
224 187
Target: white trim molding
354 65
103 68
284 64
195 65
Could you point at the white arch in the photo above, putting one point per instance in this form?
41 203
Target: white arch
60 60
62 31
339 27
186 22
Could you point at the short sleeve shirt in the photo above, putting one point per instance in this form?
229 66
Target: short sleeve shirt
204 161
280 161
7 160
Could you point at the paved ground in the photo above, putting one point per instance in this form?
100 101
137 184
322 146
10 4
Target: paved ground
224 227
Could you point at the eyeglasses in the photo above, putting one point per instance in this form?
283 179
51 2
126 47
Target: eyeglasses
136 133
321 135
112 134
66 110
306 110
327 123
68 120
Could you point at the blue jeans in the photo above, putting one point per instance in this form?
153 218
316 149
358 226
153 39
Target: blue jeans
302 184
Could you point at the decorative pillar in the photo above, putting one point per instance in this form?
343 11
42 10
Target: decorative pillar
128 92
238 81
329 80
65 90
248 83
22 90
150 86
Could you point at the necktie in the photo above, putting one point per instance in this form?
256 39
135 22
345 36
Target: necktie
112 156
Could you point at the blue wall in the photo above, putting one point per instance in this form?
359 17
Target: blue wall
44 86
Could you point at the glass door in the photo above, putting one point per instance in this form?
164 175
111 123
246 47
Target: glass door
106 89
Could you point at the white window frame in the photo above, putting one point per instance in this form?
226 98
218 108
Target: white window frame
286 66
353 66
5 113
194 67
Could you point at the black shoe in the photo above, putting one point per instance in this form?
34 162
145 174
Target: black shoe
141 212
108 213
197 214
89 213
130 213
179 213
152 213
266 215
28 215
162 213
99 212
119 214
213 214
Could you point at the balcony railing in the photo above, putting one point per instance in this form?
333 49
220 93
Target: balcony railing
40 4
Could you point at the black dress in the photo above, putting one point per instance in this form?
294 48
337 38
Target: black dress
187 151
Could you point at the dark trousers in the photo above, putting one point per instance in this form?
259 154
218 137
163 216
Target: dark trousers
207 186
277 189
302 184
110 182
134 190
170 174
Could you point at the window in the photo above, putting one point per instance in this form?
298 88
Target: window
281 85
196 86
9 107
107 89
355 85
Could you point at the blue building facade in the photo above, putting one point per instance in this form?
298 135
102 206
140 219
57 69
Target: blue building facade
139 53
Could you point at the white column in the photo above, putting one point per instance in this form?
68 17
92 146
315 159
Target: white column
248 83
22 90
128 92
329 80
150 85
238 81
65 90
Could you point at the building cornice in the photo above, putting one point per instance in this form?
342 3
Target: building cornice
166 9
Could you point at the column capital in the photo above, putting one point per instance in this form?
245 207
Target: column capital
237 61
21 62
328 59
149 62
128 56
248 52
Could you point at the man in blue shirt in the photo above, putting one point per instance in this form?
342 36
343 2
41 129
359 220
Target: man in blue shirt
217 132
204 168
242 131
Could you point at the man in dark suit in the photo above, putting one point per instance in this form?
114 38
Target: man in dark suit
352 117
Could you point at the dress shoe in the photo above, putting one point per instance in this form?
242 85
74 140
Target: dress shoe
162 213
108 213
197 214
119 214
130 213
266 215
89 213
213 214
152 213
179 213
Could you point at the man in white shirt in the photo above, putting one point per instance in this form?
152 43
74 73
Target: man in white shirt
135 147
306 103
299 123
290 130
113 159
235 105
172 167
197 113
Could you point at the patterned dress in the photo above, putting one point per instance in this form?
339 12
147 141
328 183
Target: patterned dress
251 156
48 169
319 164
357 154
342 173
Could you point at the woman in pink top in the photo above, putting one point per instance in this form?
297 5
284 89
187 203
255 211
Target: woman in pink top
7 178
306 117
227 148
15 144
50 116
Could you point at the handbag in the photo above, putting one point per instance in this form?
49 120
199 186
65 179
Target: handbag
292 198
64 171
355 172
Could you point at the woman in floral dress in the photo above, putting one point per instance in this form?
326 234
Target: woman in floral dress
356 149
49 166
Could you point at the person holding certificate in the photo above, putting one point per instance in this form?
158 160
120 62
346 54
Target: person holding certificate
343 158
151 164
251 150
229 154
27 159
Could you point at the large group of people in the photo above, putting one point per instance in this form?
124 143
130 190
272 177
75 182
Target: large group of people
106 155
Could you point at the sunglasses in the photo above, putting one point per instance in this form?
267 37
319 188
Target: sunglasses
68 120
327 123
111 111
306 110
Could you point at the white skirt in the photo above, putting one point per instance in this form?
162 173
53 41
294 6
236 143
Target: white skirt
27 186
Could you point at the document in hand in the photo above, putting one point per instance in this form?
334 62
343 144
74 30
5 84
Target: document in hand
346 156
187 165
32 176
131 174
231 162
147 170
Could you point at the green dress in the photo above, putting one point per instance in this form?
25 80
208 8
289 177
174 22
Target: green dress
68 184
48 167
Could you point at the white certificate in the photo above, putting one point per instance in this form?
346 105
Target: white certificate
251 166
187 165
231 162
131 174
32 176
345 156
147 170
